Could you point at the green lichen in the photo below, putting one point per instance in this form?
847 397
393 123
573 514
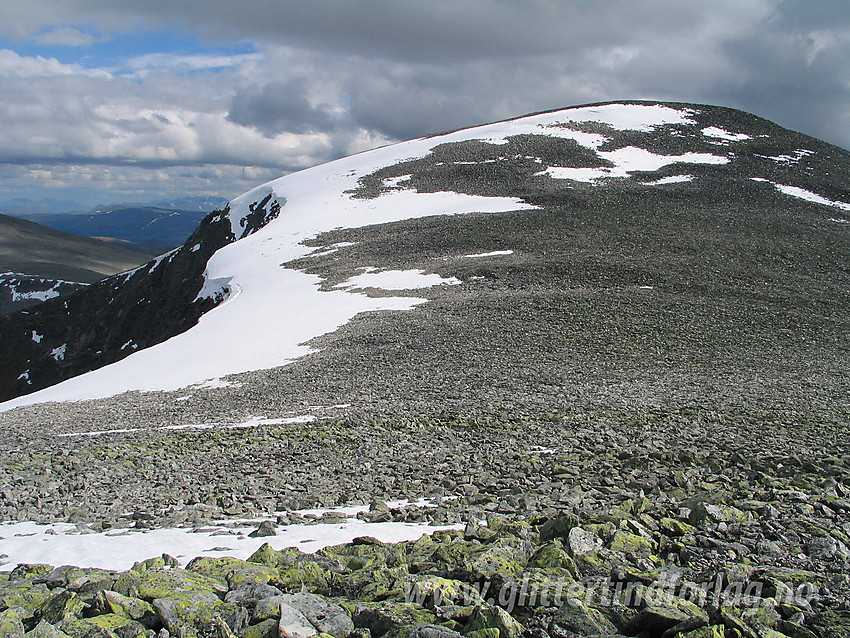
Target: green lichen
487 617
160 584
631 544
58 607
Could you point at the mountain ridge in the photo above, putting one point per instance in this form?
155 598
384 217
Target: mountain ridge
540 162
617 335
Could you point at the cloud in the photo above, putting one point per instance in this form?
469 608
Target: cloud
331 77
66 37
280 106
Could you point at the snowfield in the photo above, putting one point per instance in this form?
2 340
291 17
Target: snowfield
119 549
271 313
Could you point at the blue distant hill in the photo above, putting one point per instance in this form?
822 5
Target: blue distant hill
148 228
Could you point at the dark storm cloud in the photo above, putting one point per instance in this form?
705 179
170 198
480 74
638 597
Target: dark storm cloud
279 107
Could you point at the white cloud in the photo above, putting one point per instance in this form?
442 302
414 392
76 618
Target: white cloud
13 65
65 36
334 77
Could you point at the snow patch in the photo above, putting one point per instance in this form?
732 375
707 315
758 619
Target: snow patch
673 179
802 193
252 422
495 253
59 353
156 262
395 182
38 295
397 280
37 337
628 160
720 134
789 160
215 384
119 549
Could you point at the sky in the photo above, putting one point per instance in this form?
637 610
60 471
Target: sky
105 101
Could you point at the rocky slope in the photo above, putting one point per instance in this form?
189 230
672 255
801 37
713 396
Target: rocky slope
620 334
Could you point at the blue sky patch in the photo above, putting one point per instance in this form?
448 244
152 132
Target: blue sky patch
113 51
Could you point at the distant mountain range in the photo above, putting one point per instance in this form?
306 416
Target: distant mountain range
46 255
51 206
38 263
149 230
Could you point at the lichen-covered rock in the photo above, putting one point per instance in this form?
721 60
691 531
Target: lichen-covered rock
127 584
191 613
486 616
674 527
60 606
23 593
80 628
380 618
323 615
293 624
434 591
558 527
11 622
534 588
505 557
265 555
28 571
306 576
702 513
713 631
553 555
267 609
164 583
374 584
233 570
44 630
120 625
630 544
576 618
133 608
658 614
265 629
424 631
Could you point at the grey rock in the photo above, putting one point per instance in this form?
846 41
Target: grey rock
822 547
325 616
266 528
250 593
44 630
582 541
430 631
293 624
575 618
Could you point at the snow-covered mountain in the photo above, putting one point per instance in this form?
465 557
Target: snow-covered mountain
507 262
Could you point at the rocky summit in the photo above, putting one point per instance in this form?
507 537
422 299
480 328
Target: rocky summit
609 342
